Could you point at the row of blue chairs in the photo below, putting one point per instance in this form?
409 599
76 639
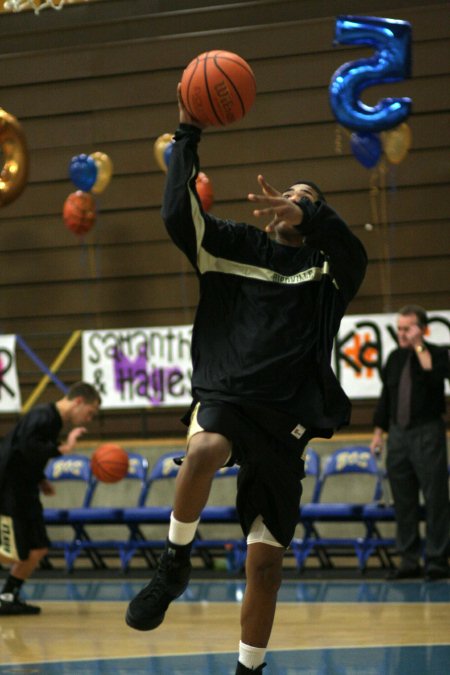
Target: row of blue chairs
77 468
359 464
354 460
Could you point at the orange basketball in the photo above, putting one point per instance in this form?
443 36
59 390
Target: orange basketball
109 463
218 88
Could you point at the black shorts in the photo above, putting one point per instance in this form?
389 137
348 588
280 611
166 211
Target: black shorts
22 527
268 446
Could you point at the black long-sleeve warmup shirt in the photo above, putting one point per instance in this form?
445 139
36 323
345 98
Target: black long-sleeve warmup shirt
25 451
267 313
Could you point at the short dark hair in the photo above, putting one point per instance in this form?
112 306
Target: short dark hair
85 390
419 311
314 187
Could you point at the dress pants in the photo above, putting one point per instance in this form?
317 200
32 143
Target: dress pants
417 461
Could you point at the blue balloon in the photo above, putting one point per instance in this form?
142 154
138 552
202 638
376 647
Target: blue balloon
391 62
167 154
367 148
83 172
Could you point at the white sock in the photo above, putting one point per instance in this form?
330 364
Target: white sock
182 533
251 657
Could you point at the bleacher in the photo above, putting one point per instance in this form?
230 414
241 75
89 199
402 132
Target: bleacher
343 514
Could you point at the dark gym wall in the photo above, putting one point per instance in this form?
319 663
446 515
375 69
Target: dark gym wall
102 76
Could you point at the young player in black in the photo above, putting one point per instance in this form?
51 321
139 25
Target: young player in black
24 452
270 305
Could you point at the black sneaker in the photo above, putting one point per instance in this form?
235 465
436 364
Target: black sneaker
10 605
146 611
242 670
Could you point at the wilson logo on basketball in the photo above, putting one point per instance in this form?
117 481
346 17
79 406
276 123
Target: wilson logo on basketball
225 101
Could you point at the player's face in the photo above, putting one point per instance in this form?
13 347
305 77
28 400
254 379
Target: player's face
83 412
299 190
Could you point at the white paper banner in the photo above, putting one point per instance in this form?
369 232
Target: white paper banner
150 367
365 341
139 367
9 384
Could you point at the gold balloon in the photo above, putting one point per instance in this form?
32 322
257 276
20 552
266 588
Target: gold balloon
159 146
14 174
397 142
104 171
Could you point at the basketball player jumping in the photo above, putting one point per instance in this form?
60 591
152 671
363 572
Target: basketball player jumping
270 305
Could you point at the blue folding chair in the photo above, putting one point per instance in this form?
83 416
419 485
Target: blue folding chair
312 470
96 514
89 514
72 468
355 460
71 471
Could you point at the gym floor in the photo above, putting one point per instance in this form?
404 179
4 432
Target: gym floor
326 627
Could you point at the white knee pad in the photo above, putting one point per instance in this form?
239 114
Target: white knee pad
259 534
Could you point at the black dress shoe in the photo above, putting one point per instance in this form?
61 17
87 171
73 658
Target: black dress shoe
404 573
436 575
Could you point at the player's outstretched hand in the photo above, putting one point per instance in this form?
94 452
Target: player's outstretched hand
283 210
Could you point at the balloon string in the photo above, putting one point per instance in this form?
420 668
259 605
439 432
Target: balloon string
338 140
391 200
378 204
93 270
385 240
91 260
379 215
88 260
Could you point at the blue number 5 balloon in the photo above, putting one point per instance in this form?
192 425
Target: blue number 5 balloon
390 63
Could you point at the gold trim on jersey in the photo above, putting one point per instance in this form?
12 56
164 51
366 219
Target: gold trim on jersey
208 263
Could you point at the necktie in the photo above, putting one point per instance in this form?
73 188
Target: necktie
404 395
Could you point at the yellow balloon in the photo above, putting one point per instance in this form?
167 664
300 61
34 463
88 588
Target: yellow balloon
397 142
159 146
104 171
14 174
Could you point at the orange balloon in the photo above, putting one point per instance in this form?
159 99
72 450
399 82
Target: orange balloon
205 190
79 212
